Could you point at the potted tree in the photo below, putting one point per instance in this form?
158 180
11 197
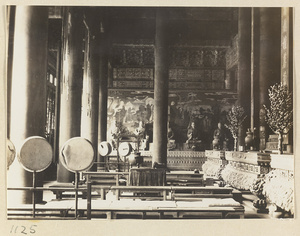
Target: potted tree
235 118
280 114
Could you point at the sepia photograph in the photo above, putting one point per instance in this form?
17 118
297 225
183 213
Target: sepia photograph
149 115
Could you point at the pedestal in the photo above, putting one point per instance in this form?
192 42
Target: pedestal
244 168
280 183
214 164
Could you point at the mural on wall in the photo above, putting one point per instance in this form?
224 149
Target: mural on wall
128 113
190 118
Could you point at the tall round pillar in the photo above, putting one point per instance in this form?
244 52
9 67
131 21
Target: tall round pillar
269 61
71 84
28 95
103 93
90 93
10 50
160 90
244 69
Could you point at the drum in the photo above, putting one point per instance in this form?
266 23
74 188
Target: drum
124 150
104 148
77 154
10 152
35 154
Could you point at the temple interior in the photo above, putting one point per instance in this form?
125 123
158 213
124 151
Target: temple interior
150 112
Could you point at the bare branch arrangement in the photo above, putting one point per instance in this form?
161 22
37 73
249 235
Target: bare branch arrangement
280 114
235 117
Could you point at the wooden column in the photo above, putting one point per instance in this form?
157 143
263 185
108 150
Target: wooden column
160 89
71 87
255 90
285 46
287 56
90 94
269 61
28 98
10 50
103 92
244 69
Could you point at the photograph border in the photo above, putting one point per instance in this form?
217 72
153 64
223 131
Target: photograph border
153 227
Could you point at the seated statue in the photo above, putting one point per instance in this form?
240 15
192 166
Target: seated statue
219 137
192 133
170 133
171 141
193 136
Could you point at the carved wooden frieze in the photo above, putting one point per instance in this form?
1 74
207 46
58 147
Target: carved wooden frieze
195 75
178 57
133 56
191 85
254 162
190 67
148 57
193 78
133 84
197 57
132 73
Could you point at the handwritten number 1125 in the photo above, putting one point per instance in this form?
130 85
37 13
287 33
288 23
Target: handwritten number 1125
22 229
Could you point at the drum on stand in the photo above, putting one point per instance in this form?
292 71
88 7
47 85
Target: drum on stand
104 148
35 154
125 149
10 153
77 155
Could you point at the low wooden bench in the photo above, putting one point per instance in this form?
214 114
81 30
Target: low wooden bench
104 180
208 212
165 209
188 193
49 208
64 190
142 192
184 179
96 178
107 178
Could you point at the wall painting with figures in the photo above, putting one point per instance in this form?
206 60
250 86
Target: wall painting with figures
187 111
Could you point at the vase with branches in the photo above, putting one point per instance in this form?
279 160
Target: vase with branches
279 115
235 118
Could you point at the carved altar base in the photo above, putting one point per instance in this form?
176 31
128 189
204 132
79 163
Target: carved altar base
214 164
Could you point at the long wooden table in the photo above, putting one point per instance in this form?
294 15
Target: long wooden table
64 209
167 194
176 209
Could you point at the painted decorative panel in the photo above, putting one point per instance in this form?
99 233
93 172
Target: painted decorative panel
132 73
197 57
133 84
133 56
190 67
